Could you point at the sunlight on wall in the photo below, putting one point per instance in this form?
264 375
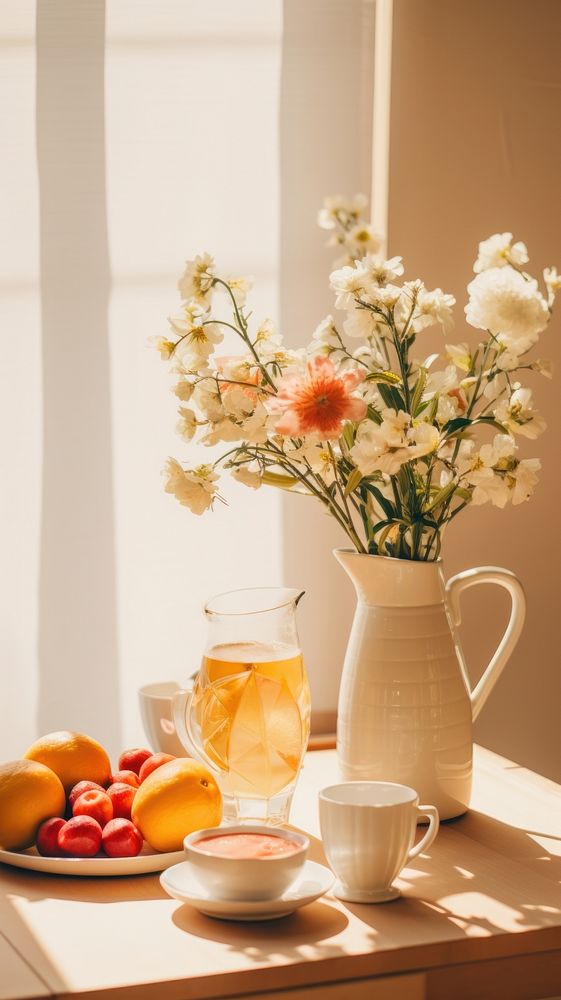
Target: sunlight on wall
192 165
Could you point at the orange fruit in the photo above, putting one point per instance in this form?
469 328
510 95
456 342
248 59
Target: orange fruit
176 799
73 756
30 793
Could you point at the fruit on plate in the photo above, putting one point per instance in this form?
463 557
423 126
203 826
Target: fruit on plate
122 797
95 803
30 793
156 760
47 838
176 799
80 836
132 760
83 786
121 839
73 757
125 778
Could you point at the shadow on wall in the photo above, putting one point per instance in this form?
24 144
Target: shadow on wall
78 655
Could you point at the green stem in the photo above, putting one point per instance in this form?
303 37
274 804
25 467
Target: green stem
242 331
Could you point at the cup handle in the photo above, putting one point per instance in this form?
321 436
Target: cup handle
434 823
180 705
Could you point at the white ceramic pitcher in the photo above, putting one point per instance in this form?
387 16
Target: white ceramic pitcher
405 704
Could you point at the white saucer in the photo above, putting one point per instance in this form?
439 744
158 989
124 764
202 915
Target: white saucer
312 882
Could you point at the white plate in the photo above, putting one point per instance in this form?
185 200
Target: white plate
147 861
312 882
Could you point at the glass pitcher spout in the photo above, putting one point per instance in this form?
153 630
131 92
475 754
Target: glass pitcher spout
253 601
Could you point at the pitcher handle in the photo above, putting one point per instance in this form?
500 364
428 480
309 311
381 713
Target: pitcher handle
181 710
180 705
504 578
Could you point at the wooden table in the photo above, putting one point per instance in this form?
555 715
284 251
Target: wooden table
480 919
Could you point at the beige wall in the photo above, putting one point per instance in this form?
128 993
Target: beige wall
476 149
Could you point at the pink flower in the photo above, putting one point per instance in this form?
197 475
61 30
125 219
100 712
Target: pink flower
318 401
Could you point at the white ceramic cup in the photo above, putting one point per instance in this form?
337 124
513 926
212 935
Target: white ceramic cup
157 717
368 829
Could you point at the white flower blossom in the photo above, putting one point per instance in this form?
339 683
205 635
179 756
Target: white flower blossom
312 453
359 323
459 355
519 416
196 280
348 283
522 480
552 283
226 430
383 296
184 389
325 339
192 315
187 423
382 447
543 366
434 307
239 288
194 488
493 472
164 346
380 271
249 475
452 400
498 251
507 360
198 338
424 438
237 402
268 341
362 239
337 206
494 385
255 428
510 306
208 399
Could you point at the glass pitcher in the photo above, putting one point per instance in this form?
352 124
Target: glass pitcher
248 716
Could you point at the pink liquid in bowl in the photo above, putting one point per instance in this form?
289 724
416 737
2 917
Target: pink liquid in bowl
247 845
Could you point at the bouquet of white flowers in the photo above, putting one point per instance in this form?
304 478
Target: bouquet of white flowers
359 419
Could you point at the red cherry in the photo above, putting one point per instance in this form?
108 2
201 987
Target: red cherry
121 839
80 836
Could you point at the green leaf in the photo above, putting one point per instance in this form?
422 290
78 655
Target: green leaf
281 481
384 534
391 396
390 378
441 496
458 423
418 391
491 422
348 435
374 415
353 481
385 504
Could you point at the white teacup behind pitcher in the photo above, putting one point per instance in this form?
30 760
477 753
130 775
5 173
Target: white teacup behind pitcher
157 716
368 829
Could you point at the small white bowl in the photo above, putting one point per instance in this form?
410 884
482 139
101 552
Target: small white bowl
245 878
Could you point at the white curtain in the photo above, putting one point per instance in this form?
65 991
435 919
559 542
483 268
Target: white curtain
135 135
